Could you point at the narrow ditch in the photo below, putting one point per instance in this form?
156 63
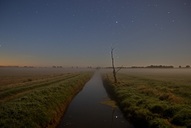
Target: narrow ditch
93 108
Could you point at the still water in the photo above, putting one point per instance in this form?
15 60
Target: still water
87 110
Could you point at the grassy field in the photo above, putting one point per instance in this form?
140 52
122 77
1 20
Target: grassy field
157 99
33 101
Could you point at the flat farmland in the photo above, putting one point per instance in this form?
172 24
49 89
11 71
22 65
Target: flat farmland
153 97
37 97
9 76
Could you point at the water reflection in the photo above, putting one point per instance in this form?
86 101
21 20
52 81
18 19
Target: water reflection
87 110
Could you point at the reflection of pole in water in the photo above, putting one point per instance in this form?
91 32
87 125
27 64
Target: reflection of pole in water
113 111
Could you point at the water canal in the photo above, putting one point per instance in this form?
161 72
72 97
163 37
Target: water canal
88 109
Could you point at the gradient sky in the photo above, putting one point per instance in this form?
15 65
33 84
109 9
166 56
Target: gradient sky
82 32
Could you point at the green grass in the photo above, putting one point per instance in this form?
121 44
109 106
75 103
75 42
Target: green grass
152 102
43 106
13 92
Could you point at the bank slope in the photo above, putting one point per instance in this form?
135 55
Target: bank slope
43 106
151 103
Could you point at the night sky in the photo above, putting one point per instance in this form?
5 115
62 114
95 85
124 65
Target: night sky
82 32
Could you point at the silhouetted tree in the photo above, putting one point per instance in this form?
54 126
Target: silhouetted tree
113 66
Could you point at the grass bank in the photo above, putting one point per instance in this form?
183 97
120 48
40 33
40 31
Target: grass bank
151 102
40 104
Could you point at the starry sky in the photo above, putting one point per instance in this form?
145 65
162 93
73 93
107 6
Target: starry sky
82 32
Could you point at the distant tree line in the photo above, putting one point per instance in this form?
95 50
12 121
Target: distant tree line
9 66
57 66
137 67
154 66
159 66
187 66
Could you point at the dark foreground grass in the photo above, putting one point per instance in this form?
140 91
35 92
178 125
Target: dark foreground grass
43 107
152 103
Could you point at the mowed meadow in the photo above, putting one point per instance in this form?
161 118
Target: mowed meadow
156 98
37 97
